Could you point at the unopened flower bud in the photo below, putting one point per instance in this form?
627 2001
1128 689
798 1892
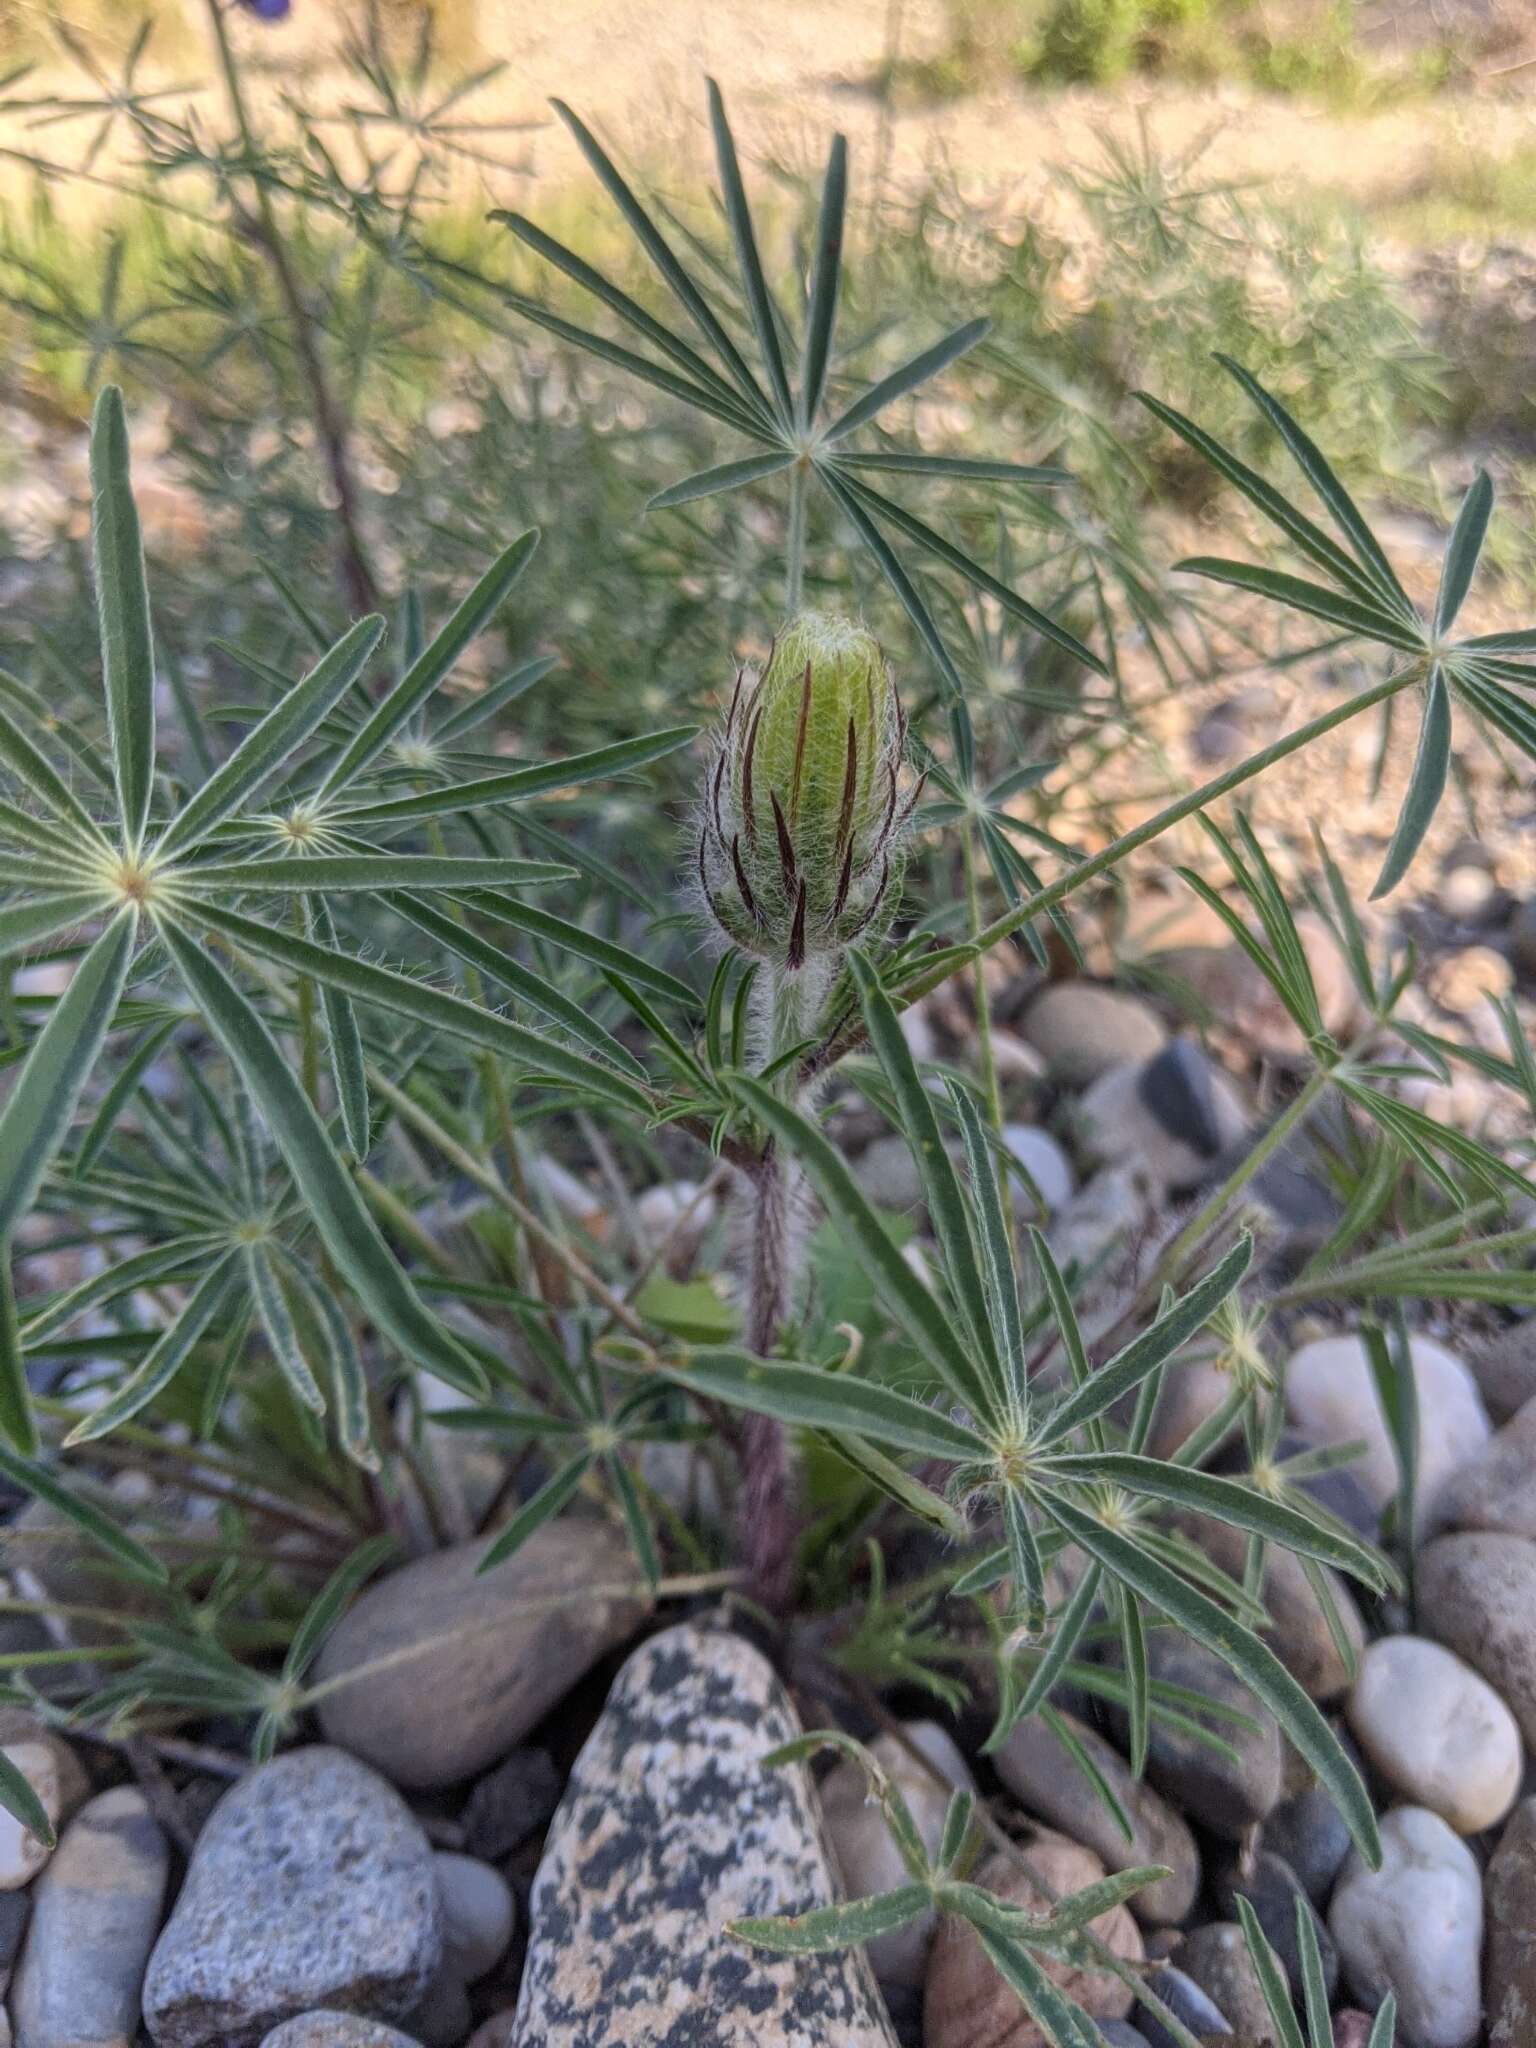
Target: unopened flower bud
800 837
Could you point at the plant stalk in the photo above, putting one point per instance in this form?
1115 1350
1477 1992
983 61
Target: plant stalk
794 540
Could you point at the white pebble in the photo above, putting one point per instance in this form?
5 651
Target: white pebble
1436 1731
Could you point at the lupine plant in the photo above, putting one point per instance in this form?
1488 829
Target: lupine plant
336 931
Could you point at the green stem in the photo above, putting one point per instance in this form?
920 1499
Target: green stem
1211 1210
794 540
1014 920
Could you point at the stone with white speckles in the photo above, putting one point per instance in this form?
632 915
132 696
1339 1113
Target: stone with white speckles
1510 1901
671 1827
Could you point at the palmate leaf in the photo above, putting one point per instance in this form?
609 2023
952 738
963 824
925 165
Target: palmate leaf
329 1191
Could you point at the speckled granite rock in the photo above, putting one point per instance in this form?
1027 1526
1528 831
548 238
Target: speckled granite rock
671 1827
95 1911
1509 1898
312 1887
477 1660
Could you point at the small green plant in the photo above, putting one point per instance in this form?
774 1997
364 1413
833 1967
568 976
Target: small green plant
341 926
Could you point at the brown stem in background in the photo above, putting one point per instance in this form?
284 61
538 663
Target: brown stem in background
358 587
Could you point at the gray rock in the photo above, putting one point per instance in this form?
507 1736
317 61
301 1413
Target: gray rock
1121 2034
1045 1163
479 1915
511 1803
1496 1488
476 1661
1310 1834
1505 1369
865 1850
1216 1958
1187 2002
311 1886
1438 1734
15 1911
442 2017
888 1173
1298 1631
1040 1773
1509 1897
1219 1793
1175 1117
1330 1395
1103 1219
95 1914
1082 1029
1415 1927
336 2030
671 1827
1477 1595
1272 1888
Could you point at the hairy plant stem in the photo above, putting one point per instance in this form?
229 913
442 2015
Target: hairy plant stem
794 541
788 1001
356 578
1013 920
986 1059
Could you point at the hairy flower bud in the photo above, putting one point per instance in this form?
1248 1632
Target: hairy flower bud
800 834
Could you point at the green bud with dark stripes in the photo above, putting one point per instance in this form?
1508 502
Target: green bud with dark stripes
799 849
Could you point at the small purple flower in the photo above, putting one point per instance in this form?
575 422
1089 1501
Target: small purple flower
267 10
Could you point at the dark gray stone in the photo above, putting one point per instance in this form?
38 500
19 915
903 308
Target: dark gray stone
1187 2002
1178 1087
1310 1834
1509 1901
1272 1888
672 1826
1121 2034
312 1887
511 1803
95 1914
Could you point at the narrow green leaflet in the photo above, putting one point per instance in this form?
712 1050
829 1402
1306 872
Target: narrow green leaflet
516 784
97 1528
908 1299
323 873
821 313
724 476
329 1603
37 1114
19 1800
898 382
543 1507
341 1216
28 924
534 1053
1174 1328
825 1928
1258 1667
434 662
765 317
269 747
122 602
833 1401
1230 1501
1431 766
164 1360
1462 551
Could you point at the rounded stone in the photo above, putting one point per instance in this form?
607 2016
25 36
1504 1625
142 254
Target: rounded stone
966 2004
1299 1631
446 1670
1510 1900
1082 1029
1175 1116
1415 1927
22 1854
311 1887
1330 1395
1226 1794
1504 1367
479 1915
95 1913
672 1826
1217 1957
1045 1163
336 2030
1042 1775
1477 1595
1195 2008
1311 1835
866 1852
1496 1488
1273 1889
1438 1733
